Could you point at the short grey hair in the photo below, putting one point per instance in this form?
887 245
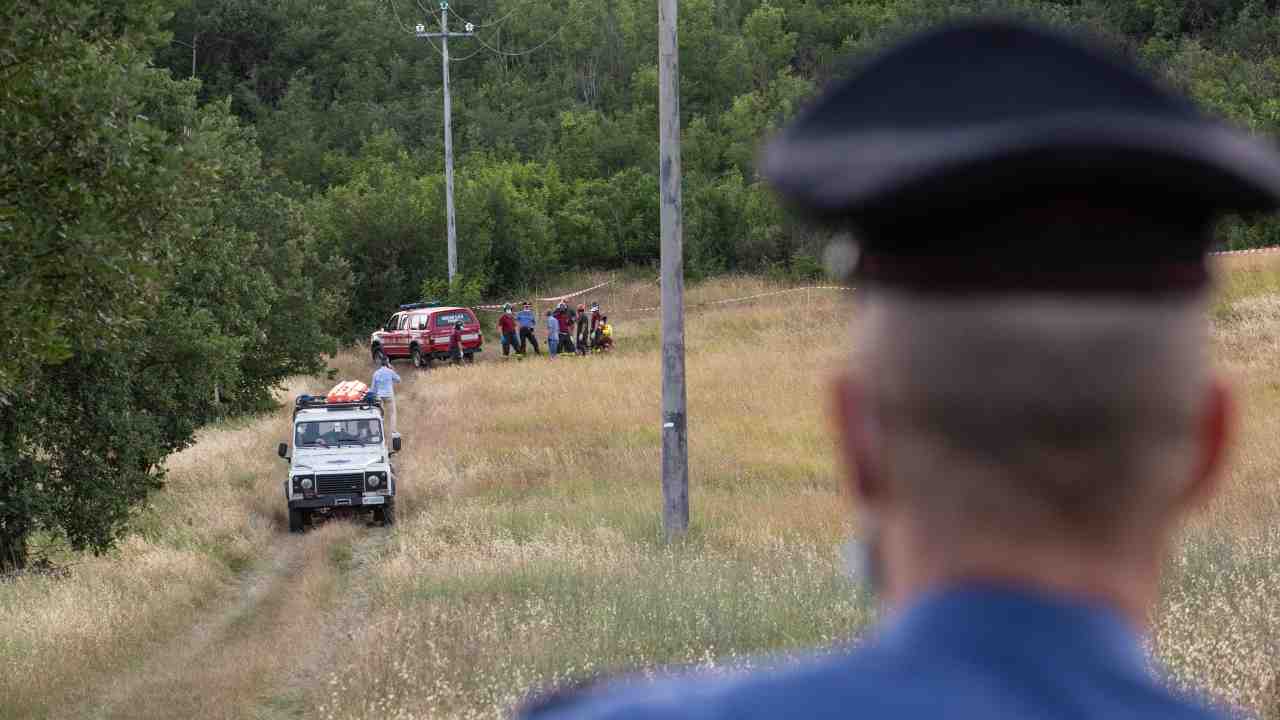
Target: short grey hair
1035 414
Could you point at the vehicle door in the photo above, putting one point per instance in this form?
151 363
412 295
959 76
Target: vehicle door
441 327
394 342
470 330
418 331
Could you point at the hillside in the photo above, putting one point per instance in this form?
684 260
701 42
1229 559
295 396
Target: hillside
528 549
206 197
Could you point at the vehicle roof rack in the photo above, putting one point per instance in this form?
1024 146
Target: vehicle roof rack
419 305
318 402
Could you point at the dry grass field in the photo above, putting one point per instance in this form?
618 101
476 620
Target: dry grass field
528 550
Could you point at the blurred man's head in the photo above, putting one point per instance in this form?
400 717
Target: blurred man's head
991 435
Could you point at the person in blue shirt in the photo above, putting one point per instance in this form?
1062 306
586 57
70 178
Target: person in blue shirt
553 334
528 329
384 382
1029 410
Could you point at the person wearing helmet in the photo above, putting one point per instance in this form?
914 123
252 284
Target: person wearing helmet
565 318
507 328
583 336
604 335
595 323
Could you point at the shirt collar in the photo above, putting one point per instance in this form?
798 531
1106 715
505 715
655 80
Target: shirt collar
980 620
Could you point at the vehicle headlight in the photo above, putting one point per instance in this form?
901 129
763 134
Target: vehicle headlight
374 480
306 483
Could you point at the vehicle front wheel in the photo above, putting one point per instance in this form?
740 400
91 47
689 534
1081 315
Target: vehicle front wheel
416 354
388 514
297 519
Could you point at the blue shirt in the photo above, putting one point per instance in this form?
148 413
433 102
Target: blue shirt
384 379
977 652
526 319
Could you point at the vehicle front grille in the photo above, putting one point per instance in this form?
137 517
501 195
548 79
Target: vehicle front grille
338 484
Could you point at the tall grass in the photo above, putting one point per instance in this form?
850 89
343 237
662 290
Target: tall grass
218 511
529 547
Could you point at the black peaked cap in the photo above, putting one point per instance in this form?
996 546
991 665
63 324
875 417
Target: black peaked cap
998 155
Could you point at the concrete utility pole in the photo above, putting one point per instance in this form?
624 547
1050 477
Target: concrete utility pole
675 440
450 220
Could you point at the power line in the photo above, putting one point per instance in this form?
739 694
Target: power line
499 21
396 12
534 49
466 57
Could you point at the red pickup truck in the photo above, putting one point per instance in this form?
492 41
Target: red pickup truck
420 332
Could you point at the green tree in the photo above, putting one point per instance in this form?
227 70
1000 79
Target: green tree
150 258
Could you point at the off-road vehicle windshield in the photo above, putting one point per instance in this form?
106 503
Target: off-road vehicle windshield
332 433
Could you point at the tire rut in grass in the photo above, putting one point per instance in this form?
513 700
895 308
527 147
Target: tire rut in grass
247 656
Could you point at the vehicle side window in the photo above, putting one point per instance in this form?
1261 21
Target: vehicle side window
447 319
419 322
404 322
471 317
392 322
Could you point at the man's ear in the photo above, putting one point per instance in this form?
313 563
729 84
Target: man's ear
859 445
1213 438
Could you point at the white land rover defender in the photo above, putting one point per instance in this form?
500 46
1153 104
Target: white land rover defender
341 461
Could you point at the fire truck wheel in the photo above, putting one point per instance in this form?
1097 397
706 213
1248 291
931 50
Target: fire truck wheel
416 354
297 518
388 514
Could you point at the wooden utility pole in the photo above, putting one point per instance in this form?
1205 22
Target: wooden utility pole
675 440
450 218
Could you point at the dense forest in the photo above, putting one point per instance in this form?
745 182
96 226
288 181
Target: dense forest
202 197
555 116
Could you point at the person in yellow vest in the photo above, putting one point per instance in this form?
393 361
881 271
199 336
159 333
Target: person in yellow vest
604 335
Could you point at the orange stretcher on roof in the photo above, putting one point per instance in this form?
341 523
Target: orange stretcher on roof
347 391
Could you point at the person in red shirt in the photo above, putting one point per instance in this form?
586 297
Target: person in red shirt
595 322
507 328
583 335
565 317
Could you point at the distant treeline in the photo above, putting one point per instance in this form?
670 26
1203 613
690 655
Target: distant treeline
557 148
202 197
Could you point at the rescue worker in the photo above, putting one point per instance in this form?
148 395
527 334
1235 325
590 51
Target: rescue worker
595 322
553 334
1029 411
507 328
583 335
564 319
528 329
384 381
603 340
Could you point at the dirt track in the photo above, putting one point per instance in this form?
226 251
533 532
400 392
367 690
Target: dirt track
259 648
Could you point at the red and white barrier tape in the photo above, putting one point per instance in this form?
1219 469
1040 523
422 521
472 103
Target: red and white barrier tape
739 299
556 298
1250 251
